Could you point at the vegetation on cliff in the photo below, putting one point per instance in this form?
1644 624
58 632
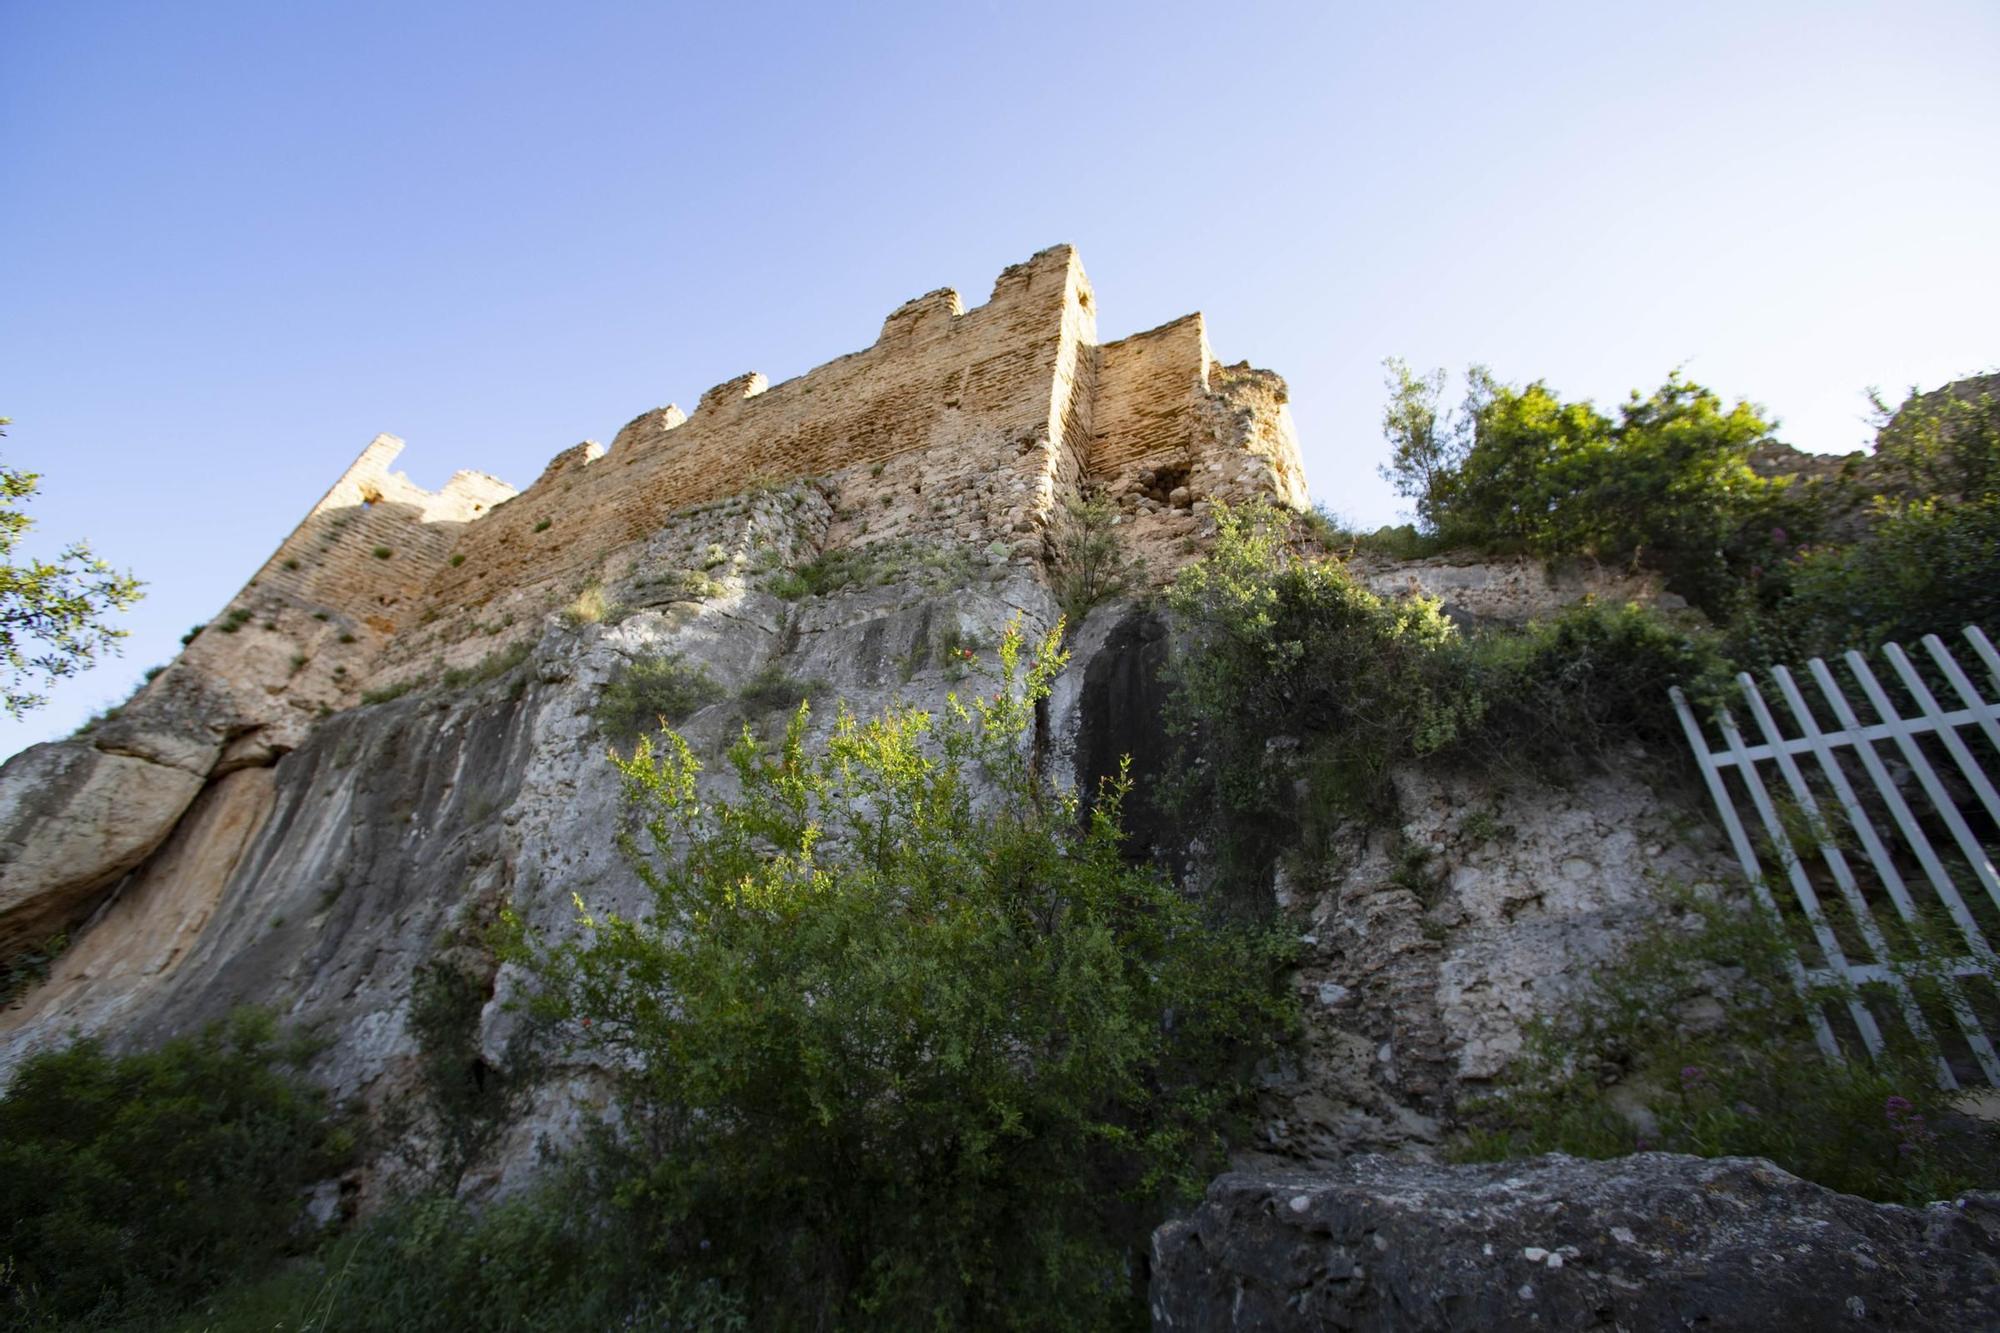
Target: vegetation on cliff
1298 690
1643 1058
904 1041
137 1182
1902 543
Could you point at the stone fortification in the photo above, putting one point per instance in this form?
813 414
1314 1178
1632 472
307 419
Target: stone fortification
393 729
958 441
971 429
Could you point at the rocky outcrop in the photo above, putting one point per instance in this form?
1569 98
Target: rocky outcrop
1653 1241
73 818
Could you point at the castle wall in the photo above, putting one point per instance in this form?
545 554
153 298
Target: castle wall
1147 388
972 387
957 428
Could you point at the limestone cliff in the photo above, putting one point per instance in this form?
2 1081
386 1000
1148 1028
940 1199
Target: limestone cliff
391 729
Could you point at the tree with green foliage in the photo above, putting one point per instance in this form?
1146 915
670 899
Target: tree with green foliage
51 611
904 1040
1428 446
1928 561
141 1181
1666 483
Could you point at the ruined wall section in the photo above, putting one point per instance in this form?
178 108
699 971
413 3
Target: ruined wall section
1148 386
1178 431
961 433
305 632
969 386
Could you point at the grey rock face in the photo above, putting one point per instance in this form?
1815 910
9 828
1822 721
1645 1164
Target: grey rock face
1653 1241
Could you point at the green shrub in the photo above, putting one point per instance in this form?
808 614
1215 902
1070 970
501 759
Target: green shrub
544 525
772 690
137 1180
677 585
491 667
457 559
463 1101
1592 678
549 1260
651 692
29 965
381 553
591 607
1278 647
926 565
235 620
1666 483
388 693
895 1058
1090 564
1749 1083
1929 560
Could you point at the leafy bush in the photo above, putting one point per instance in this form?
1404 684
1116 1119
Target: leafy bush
1930 560
678 585
1750 1082
1090 565
1591 678
149 1178
590 607
1667 483
549 1260
893 1056
543 1262
463 1101
1277 646
491 667
651 692
772 690
928 565
1291 672
29 965
388 693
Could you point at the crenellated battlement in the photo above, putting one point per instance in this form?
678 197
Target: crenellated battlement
973 427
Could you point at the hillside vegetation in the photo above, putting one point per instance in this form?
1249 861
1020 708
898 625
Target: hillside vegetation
908 1038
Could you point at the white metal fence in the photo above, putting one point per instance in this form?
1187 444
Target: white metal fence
1899 920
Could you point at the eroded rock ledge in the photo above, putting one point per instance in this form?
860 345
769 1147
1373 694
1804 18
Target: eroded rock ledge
1652 1241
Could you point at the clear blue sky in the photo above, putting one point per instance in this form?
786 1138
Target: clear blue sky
239 239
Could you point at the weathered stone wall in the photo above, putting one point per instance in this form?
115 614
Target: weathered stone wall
991 389
955 443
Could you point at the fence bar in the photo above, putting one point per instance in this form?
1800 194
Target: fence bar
1892 878
1984 647
1843 878
1886 866
1746 856
1802 888
1913 754
1874 731
1959 754
1966 691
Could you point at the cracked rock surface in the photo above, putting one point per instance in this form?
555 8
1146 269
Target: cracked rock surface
1652 1241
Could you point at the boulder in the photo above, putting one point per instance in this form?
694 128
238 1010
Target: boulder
73 818
1651 1241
